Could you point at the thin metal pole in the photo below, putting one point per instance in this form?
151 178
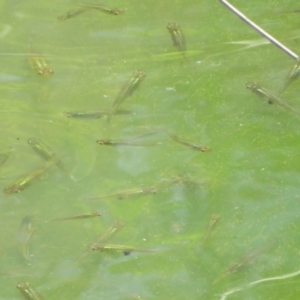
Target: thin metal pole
261 31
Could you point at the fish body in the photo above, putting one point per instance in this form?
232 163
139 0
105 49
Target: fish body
269 97
128 88
83 216
39 64
189 144
130 193
23 181
24 236
177 36
4 157
108 10
45 151
212 224
292 75
71 14
28 291
111 142
133 141
92 114
107 234
243 262
126 250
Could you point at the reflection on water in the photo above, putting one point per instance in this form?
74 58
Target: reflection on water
202 220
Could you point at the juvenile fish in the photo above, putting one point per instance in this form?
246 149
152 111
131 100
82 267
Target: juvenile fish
177 36
243 262
113 142
111 11
93 114
24 236
126 250
39 64
71 14
25 180
128 88
189 144
4 157
45 151
212 224
269 97
107 234
130 142
28 291
83 216
292 75
129 193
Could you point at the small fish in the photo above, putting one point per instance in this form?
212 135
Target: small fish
177 36
23 181
107 234
24 236
130 142
71 14
212 224
113 142
4 157
93 114
112 11
128 88
269 97
189 144
28 291
45 151
184 179
39 64
292 75
83 216
243 262
126 250
129 193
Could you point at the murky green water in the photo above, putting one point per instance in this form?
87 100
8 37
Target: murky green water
249 179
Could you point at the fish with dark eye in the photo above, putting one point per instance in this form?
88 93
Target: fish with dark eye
270 97
78 217
28 291
105 9
107 234
71 14
45 152
133 141
177 36
292 75
244 261
39 64
24 236
189 144
126 250
129 193
92 114
112 142
128 89
25 180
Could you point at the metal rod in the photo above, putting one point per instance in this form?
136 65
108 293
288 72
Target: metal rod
261 31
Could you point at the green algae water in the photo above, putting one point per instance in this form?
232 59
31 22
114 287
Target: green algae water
222 224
